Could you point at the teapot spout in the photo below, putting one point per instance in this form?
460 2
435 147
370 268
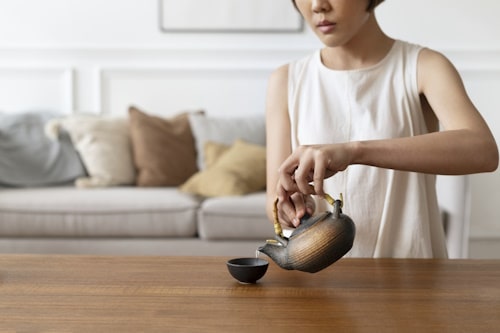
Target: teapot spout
276 249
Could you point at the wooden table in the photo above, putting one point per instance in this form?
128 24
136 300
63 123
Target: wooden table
197 294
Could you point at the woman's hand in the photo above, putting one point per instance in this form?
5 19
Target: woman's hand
293 207
312 164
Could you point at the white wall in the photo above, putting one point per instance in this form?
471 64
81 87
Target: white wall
104 55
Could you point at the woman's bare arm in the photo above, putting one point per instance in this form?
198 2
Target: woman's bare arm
278 146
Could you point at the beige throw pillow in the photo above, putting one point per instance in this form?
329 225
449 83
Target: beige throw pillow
103 143
240 170
163 149
213 151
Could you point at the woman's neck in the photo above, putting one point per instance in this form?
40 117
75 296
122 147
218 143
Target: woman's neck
368 47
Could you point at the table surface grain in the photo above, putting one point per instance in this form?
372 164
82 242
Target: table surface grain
54 293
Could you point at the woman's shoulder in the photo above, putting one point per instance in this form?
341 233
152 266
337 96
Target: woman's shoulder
429 55
432 60
423 52
426 59
294 66
280 74
434 66
304 64
408 48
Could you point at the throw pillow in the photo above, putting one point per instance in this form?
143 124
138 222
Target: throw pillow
163 149
104 146
213 151
29 158
226 130
240 170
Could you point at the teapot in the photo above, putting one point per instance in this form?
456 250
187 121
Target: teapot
316 243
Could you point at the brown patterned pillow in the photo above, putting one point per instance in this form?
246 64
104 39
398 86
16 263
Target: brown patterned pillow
163 148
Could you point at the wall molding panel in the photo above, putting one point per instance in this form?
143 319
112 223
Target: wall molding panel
26 88
169 90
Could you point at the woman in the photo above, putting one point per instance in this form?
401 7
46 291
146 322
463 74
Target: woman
361 117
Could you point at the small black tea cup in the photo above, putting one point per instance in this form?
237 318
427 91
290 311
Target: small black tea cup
247 270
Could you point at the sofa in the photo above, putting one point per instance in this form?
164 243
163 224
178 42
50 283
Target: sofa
130 220
112 195
186 184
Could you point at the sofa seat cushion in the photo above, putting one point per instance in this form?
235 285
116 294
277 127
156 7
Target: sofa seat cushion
235 217
97 212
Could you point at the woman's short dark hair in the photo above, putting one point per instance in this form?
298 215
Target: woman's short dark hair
371 5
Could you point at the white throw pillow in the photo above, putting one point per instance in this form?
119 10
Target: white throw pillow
225 130
104 146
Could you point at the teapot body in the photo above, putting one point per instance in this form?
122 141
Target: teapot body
316 244
324 242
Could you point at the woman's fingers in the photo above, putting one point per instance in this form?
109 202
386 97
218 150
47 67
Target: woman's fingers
319 174
307 164
293 173
287 176
299 204
292 207
286 213
310 205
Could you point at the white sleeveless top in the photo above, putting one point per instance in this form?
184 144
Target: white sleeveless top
396 213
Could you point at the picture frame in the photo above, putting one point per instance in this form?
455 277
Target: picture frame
229 16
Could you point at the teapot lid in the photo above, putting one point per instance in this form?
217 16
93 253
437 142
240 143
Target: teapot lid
308 221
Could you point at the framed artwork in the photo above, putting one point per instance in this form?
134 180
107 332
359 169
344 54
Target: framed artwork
252 16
